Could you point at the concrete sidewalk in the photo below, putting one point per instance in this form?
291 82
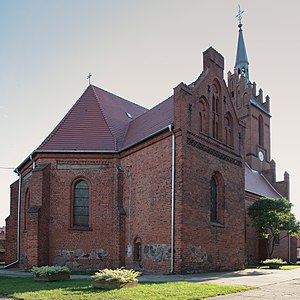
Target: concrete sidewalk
249 277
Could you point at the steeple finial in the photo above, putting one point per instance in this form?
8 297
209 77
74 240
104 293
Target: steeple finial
241 62
89 78
239 16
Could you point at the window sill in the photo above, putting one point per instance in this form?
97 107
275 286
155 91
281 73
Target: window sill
77 228
216 224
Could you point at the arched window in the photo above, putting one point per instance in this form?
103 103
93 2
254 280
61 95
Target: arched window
137 249
217 201
216 109
81 204
228 130
260 130
26 207
213 200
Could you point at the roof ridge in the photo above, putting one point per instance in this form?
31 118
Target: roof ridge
52 133
105 117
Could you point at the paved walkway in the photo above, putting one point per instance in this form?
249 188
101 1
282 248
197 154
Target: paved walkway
271 284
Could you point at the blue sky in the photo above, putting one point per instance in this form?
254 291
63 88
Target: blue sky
139 50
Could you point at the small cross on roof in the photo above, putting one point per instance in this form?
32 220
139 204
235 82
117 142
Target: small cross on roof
239 16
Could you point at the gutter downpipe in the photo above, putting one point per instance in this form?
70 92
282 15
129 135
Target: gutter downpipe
19 222
173 199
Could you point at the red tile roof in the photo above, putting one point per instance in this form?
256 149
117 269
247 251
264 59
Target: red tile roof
97 121
154 120
257 184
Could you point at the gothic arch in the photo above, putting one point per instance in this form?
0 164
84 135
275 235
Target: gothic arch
203 115
238 97
245 99
217 198
216 109
260 130
231 87
137 249
228 127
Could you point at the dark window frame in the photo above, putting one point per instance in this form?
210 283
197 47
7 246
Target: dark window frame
80 212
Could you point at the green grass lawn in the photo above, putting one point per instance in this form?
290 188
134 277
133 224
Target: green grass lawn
284 267
289 267
26 288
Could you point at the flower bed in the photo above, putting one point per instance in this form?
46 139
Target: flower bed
274 263
50 273
115 279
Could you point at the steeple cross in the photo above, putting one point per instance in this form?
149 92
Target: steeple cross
239 16
89 78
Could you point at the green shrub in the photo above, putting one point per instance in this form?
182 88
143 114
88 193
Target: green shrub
48 270
277 261
121 275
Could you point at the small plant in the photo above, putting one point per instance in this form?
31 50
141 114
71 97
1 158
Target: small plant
120 275
274 263
277 261
49 270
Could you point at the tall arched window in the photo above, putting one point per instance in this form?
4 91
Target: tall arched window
213 200
217 201
81 204
215 112
260 130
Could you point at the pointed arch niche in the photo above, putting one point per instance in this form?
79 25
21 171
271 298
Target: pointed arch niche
260 130
228 129
216 110
217 199
203 115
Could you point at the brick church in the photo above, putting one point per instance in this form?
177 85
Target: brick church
160 190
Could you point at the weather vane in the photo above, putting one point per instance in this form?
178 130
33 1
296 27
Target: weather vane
239 16
89 78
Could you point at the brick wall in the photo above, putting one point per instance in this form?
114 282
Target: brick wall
147 202
12 225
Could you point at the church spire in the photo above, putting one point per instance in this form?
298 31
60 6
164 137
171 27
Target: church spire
241 62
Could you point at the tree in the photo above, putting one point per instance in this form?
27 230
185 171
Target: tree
272 216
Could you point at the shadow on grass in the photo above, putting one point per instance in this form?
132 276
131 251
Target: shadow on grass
12 285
